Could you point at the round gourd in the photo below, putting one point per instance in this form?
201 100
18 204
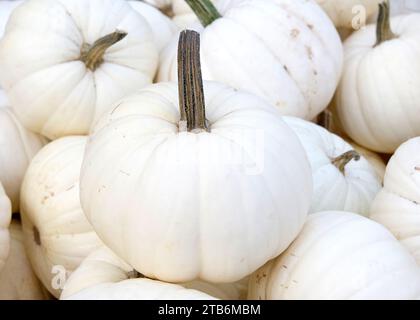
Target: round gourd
195 198
343 180
5 217
163 28
17 147
397 206
6 8
384 110
103 270
285 51
57 234
17 280
349 14
64 62
339 256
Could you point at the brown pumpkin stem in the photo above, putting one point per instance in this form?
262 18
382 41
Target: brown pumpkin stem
341 161
383 26
205 11
190 83
93 55
325 120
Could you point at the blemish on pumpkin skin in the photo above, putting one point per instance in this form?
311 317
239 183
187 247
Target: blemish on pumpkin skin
309 52
310 26
286 68
417 168
37 236
294 33
123 172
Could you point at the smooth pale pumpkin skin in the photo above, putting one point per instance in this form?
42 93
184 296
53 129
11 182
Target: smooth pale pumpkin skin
339 256
51 90
5 217
342 14
6 8
384 111
50 204
17 147
211 205
352 191
103 269
397 206
162 27
246 50
373 158
17 280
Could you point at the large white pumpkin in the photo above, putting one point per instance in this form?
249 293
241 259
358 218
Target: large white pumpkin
64 62
378 99
397 206
17 147
341 256
17 280
6 8
286 51
163 28
212 204
57 234
343 180
5 217
102 270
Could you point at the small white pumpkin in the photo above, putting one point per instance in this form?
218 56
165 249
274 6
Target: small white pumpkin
339 256
342 179
17 147
6 8
163 28
285 51
17 280
378 99
64 62
103 270
397 206
350 14
5 217
211 199
57 234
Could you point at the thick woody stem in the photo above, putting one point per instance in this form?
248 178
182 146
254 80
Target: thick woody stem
341 161
190 83
205 11
93 55
383 27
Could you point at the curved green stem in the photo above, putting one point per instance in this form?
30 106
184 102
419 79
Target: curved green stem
93 55
205 11
341 161
383 26
190 83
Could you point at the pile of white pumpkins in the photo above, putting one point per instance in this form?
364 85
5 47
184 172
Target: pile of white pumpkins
283 165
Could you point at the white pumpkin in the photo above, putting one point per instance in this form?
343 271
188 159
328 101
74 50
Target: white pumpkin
384 110
57 234
350 14
163 28
209 192
285 51
6 8
189 204
103 270
342 179
17 280
339 256
64 62
397 206
17 147
5 217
